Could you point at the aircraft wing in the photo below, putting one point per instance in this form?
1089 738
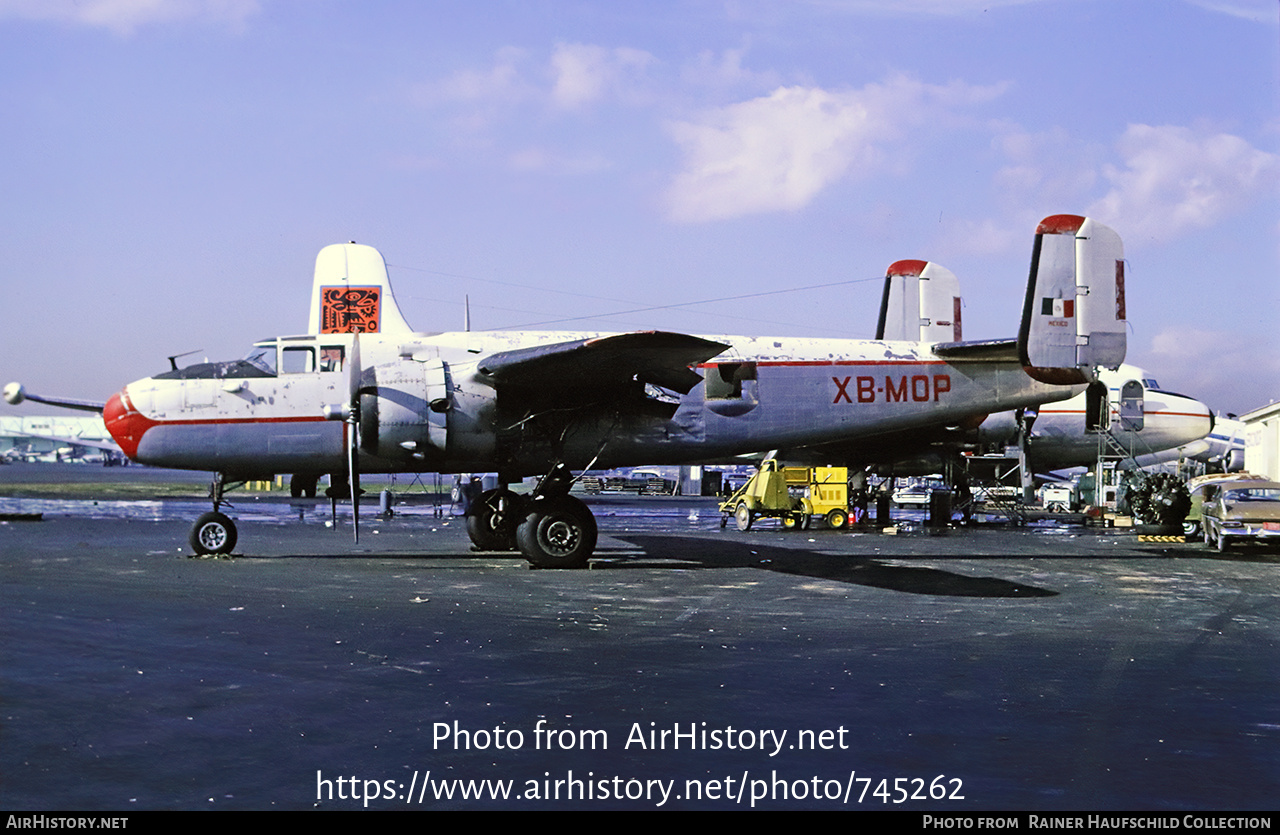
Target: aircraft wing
105 446
605 362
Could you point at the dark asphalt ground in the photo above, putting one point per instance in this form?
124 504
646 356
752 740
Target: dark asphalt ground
1054 669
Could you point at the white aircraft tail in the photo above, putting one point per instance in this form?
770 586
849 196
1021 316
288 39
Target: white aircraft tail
921 303
1074 316
352 293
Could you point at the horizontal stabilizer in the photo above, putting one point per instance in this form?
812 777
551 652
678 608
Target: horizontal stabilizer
921 303
606 362
1073 320
352 293
991 350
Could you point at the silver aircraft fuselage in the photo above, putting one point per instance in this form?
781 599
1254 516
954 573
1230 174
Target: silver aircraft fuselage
438 411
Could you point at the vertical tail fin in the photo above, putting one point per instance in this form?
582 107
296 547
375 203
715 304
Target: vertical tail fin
352 293
1074 316
921 302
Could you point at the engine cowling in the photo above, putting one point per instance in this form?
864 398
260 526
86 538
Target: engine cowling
404 409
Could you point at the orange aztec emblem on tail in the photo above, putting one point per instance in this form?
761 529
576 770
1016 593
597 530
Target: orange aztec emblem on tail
350 309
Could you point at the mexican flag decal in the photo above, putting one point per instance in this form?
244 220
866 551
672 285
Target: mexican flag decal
1058 308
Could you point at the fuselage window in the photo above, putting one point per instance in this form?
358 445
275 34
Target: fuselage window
298 360
724 380
331 357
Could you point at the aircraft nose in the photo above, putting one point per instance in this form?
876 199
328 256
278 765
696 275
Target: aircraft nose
125 423
1194 419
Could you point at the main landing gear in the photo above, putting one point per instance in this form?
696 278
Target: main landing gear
550 528
213 532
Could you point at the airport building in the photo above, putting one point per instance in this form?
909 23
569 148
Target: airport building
1262 441
80 437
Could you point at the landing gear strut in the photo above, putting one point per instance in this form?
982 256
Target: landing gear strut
213 532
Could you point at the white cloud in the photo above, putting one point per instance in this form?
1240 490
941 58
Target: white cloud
725 69
1049 168
777 152
124 16
575 76
584 73
1174 180
1229 371
1258 11
502 80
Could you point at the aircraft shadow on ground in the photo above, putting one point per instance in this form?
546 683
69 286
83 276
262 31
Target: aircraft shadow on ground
692 553
698 553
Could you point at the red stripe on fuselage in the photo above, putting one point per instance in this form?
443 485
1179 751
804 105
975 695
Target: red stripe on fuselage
1045 411
819 363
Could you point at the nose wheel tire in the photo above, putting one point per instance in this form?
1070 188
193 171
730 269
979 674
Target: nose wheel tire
557 532
213 533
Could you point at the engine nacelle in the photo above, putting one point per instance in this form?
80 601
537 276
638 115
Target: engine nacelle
404 409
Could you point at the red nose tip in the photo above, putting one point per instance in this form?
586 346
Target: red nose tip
125 423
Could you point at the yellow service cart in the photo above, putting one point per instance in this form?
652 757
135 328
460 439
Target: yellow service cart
793 494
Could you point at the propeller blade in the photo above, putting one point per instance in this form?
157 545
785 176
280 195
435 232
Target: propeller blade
354 371
353 479
353 436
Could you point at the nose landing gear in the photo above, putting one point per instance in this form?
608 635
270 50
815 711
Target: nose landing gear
213 532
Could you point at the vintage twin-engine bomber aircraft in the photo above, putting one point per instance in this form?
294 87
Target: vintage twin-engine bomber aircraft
362 392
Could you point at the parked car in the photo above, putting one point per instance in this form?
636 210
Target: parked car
1234 510
916 495
1192 526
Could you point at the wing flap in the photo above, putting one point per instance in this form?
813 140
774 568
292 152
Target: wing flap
656 357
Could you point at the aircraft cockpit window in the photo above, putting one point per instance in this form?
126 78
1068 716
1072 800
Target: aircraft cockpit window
298 360
1151 384
331 357
263 357
260 362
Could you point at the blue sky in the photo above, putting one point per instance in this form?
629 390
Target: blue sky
171 168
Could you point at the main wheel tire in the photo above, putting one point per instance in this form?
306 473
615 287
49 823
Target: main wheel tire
743 517
492 521
557 532
213 533
837 519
